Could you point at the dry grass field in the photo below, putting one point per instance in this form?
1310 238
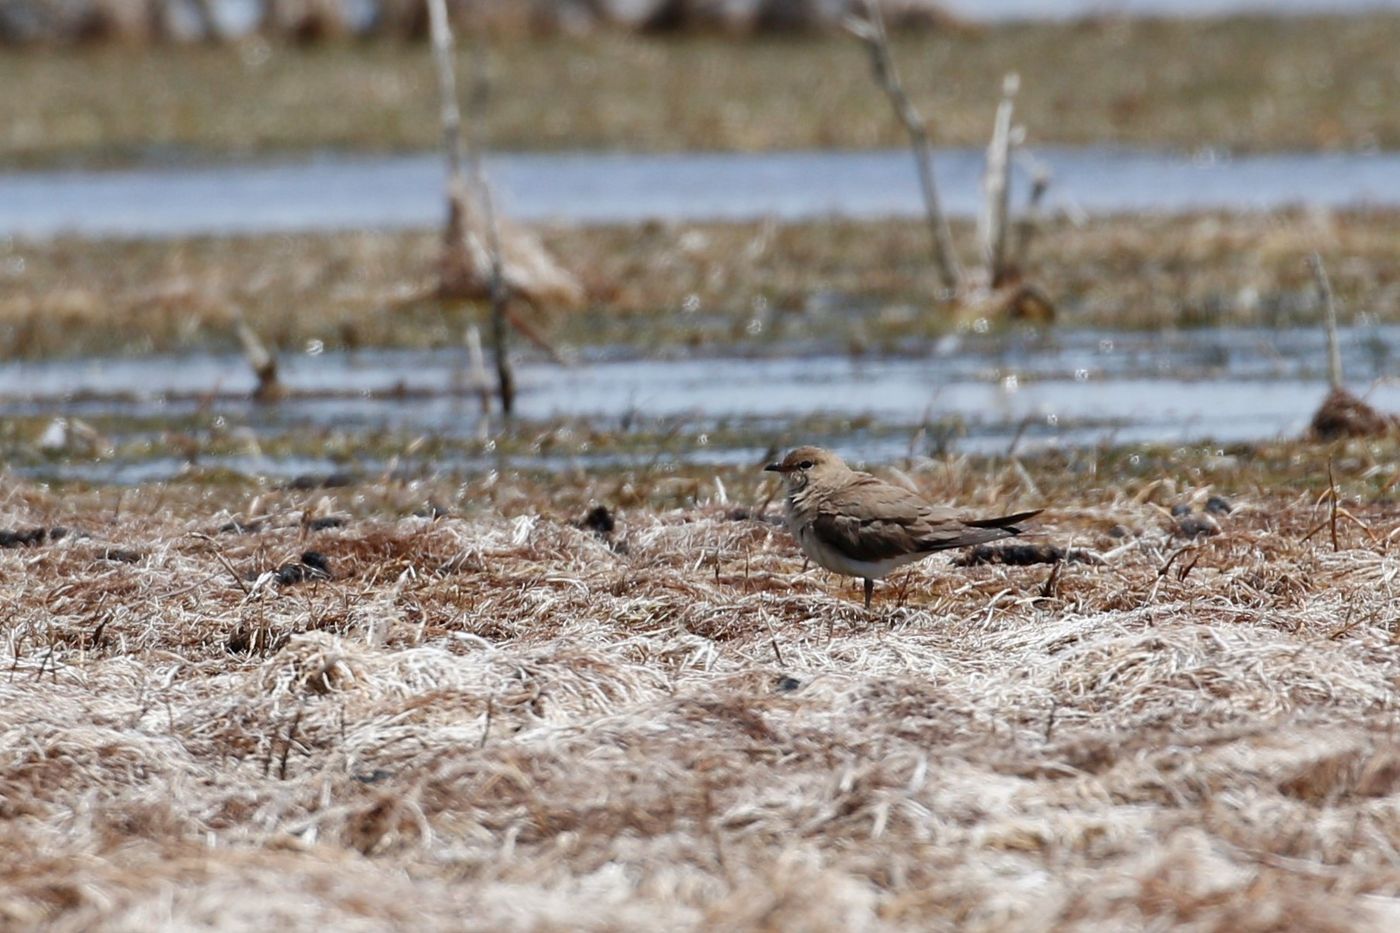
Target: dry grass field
1249 83
840 281
492 717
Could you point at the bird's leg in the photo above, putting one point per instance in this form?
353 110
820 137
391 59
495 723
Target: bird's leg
805 562
869 589
904 587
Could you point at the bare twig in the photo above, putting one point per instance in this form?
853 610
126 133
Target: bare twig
1332 495
1334 351
500 333
531 333
287 745
457 260
486 727
43 663
450 113
1016 438
996 185
1171 559
1029 222
1051 588
218 552
459 151
773 640
869 28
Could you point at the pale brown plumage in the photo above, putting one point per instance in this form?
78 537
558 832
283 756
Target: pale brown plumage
859 525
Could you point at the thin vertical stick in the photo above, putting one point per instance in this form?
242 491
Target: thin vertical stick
287 748
500 295
870 29
1332 494
997 184
460 151
772 638
490 714
1030 221
1334 350
451 115
456 258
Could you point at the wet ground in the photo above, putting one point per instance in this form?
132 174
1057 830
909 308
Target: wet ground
338 193
415 413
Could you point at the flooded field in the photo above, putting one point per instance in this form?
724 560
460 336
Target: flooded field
368 655
414 412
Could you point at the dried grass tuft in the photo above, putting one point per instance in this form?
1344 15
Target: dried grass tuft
1342 415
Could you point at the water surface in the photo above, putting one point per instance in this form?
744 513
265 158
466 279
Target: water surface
974 394
348 193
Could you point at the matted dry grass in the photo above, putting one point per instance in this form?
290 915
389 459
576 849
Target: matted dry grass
507 721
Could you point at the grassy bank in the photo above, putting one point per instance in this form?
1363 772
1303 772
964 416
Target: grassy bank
1251 83
498 714
849 284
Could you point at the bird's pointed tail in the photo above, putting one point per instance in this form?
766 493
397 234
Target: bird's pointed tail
1007 522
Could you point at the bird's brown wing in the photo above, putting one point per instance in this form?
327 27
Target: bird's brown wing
868 519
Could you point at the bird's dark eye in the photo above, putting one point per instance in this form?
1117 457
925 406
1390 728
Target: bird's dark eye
805 465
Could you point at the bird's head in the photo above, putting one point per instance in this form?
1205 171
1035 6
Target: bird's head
805 465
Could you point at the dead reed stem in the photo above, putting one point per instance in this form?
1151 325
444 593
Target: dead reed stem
500 294
462 149
992 226
1332 504
450 113
870 30
1329 304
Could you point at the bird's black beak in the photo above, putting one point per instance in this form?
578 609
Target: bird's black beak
774 468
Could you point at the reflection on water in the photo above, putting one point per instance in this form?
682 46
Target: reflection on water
977 394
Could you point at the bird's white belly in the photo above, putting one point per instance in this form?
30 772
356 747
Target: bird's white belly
831 559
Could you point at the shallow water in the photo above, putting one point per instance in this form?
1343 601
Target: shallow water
974 394
345 193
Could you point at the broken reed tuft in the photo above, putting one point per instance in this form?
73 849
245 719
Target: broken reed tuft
531 723
1341 414
261 360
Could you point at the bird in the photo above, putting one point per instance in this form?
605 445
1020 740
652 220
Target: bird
858 525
